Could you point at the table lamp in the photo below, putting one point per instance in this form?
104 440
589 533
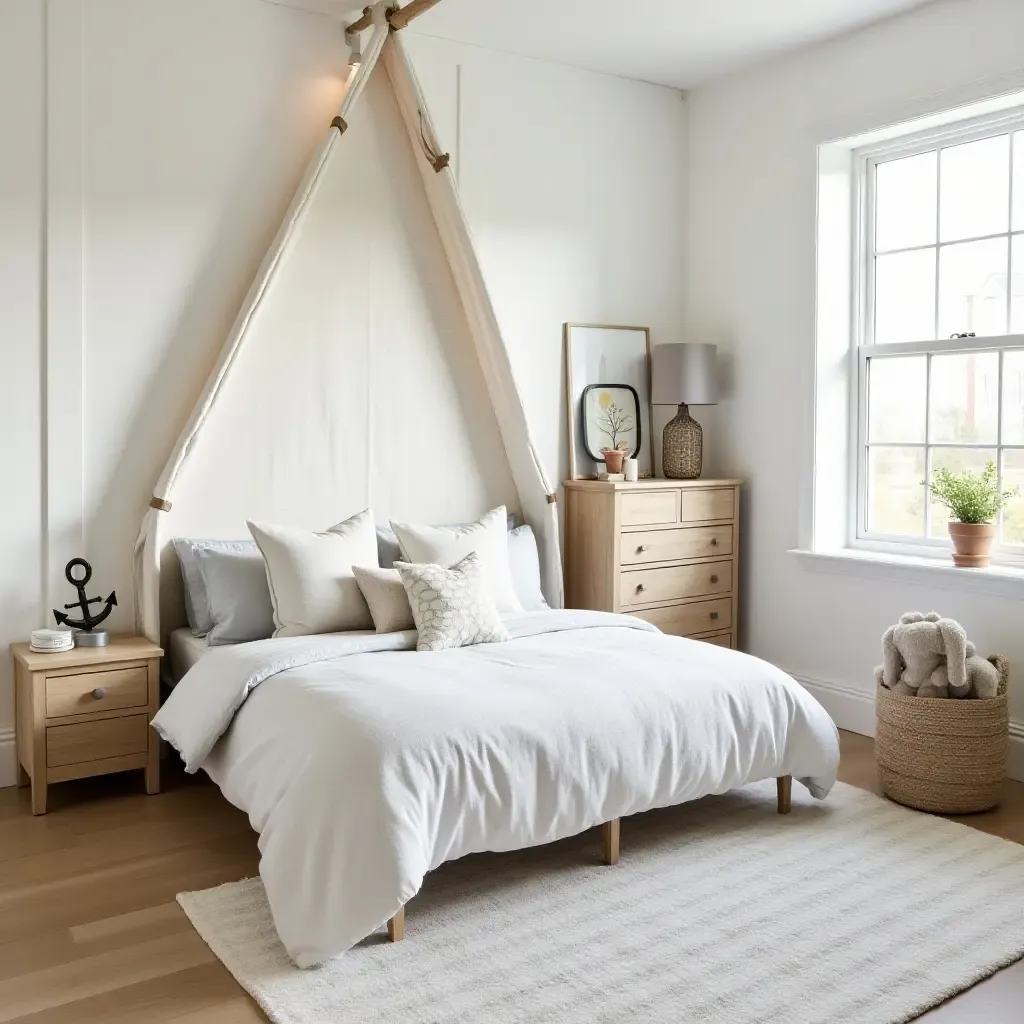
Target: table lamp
683 375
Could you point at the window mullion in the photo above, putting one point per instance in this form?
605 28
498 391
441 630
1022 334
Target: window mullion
938 237
999 420
927 444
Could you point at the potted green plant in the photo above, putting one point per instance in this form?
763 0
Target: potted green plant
974 501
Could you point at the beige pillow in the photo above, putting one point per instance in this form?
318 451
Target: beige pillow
452 607
384 593
312 586
445 546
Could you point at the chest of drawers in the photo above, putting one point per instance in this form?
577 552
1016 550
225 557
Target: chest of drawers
663 550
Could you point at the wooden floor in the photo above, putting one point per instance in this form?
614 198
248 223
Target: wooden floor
90 932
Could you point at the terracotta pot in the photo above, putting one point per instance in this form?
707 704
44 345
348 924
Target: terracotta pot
613 460
972 543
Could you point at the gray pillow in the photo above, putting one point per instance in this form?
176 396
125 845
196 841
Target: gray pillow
524 565
238 595
389 550
197 607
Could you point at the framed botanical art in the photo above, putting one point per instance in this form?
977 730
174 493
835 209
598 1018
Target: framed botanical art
611 419
608 395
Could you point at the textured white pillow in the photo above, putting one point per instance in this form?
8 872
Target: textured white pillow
385 594
488 537
452 607
310 575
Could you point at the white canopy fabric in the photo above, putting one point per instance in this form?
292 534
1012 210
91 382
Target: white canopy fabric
536 494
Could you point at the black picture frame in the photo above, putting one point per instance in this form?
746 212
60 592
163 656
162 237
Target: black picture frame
588 446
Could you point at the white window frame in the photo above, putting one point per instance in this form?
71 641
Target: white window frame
865 160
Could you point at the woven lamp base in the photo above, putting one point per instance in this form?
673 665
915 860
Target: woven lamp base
682 447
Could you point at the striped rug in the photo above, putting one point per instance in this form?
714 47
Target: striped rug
854 910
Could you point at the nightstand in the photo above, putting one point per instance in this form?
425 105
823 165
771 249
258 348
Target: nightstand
662 550
86 712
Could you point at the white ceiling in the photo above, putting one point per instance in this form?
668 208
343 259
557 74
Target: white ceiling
681 43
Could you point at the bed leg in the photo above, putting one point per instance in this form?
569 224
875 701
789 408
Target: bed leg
610 841
784 785
396 926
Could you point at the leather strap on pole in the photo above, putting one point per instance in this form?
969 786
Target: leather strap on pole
439 161
341 124
552 499
160 504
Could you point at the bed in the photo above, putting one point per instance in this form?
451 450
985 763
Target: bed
184 649
363 765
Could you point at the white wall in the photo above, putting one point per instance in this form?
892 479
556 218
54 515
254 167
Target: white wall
177 130
751 289
21 352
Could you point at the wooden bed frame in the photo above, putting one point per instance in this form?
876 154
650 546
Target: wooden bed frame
610 833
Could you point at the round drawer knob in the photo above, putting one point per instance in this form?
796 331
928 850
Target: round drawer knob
99 693
641 549
714 542
714 579
714 615
640 588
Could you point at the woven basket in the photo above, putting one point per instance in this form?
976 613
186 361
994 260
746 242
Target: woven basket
944 756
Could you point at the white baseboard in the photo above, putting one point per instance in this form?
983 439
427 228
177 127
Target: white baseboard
8 759
853 709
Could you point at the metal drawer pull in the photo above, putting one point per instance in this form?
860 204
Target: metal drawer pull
99 693
641 549
640 588
714 579
714 615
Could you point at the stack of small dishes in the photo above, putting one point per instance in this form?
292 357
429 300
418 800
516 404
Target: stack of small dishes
51 641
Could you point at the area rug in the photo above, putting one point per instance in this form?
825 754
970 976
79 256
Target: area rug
854 910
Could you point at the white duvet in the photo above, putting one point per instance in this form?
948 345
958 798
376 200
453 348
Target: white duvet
364 764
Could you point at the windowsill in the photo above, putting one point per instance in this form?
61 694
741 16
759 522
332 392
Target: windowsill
995 581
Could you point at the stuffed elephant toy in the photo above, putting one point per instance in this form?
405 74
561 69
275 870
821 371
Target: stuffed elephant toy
930 656
925 655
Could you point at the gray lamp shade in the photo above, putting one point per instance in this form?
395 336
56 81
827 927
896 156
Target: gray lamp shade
684 374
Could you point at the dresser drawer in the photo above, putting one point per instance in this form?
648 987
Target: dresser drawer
673 545
93 741
647 586
88 692
718 639
684 619
701 506
649 508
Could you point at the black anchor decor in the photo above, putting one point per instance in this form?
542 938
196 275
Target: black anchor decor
88 621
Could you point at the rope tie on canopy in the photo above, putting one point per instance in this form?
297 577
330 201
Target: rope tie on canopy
439 161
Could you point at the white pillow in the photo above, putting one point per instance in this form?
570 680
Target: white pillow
524 564
452 607
488 537
312 586
385 594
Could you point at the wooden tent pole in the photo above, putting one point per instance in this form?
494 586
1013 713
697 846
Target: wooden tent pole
402 17
398 17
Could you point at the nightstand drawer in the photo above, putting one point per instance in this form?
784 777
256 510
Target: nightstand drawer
87 692
93 741
649 508
673 545
648 586
684 619
701 506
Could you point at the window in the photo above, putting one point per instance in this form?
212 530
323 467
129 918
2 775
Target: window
940 353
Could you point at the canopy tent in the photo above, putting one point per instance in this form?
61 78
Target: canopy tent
158 600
